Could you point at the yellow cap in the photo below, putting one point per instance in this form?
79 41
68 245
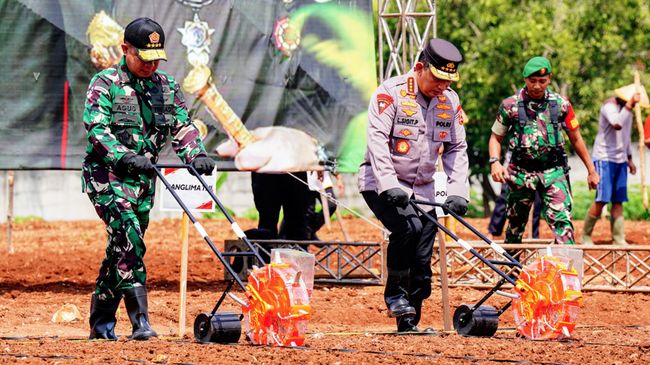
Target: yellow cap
149 55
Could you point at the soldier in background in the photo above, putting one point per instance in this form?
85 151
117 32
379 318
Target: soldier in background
531 120
131 109
409 118
498 217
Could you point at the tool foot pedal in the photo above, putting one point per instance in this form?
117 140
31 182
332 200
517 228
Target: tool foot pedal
482 322
222 327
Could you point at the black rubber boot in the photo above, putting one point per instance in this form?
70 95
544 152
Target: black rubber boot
102 318
135 300
410 323
396 295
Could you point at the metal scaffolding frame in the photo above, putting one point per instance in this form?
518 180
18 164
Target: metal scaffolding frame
404 26
336 262
606 267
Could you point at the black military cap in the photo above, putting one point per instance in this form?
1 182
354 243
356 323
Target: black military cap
148 37
444 58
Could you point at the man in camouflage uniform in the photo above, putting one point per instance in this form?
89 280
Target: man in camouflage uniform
531 120
131 109
409 118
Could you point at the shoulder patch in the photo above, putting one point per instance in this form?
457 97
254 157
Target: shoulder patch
383 102
460 115
570 120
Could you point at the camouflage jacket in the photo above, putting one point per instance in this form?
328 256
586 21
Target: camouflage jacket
124 113
538 138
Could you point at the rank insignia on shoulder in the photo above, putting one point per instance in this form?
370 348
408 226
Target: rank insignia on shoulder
411 85
383 102
405 94
409 112
409 103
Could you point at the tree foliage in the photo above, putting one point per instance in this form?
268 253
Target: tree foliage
593 45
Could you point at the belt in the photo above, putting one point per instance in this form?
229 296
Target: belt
536 165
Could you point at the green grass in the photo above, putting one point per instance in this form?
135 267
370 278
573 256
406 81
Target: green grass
632 209
27 218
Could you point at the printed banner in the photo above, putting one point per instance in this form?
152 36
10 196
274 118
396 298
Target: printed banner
297 74
189 189
440 189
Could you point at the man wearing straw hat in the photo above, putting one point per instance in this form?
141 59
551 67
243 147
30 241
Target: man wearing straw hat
612 155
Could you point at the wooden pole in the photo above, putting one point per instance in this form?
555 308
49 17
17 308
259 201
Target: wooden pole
442 251
183 279
10 211
639 125
444 283
324 202
339 218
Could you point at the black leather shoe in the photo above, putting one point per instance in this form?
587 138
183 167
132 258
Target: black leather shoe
408 325
102 318
396 295
135 300
399 307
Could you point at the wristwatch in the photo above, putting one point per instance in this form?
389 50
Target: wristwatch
493 160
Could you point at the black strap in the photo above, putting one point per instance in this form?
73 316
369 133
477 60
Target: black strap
523 116
523 119
554 119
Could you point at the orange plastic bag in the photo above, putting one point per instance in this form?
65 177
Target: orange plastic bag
550 297
278 310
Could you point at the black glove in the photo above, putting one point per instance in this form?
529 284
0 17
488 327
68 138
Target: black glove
396 197
132 164
203 165
456 204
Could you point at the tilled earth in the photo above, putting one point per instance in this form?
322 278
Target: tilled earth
55 263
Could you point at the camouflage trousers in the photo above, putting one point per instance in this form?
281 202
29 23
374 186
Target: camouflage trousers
556 198
123 204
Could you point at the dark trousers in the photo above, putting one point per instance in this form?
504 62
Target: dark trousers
272 192
410 243
498 218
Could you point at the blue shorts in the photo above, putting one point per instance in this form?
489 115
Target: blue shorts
613 181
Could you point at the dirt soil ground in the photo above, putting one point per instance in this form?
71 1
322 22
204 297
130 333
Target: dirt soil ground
55 263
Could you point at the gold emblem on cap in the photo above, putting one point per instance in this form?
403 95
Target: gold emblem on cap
154 37
542 71
451 65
